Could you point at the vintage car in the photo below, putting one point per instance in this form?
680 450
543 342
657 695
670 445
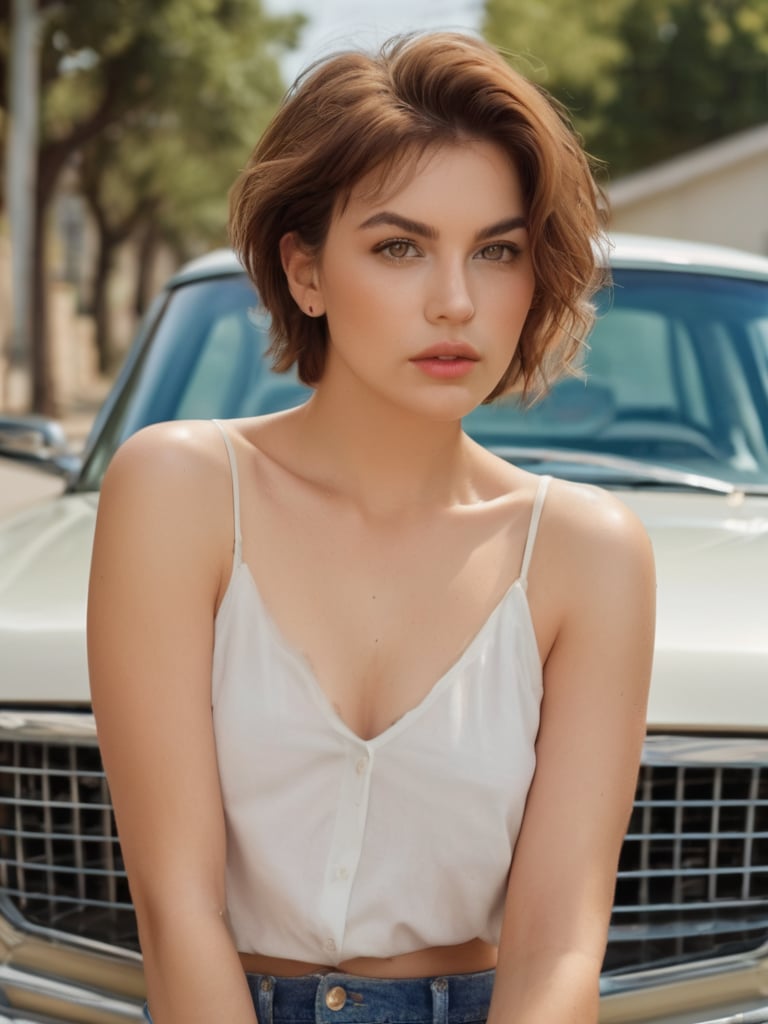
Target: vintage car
671 413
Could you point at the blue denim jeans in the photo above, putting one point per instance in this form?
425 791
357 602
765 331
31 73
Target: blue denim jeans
335 998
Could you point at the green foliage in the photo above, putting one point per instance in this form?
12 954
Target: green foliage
694 72
162 99
558 41
643 79
157 102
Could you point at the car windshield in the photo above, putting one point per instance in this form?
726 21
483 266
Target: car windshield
673 388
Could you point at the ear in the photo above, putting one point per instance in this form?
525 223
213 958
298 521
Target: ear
300 268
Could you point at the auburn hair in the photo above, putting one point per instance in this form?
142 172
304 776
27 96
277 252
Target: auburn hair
355 113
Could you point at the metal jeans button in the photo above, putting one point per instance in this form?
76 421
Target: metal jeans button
335 998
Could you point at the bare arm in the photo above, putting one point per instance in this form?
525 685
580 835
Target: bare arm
155 577
599 570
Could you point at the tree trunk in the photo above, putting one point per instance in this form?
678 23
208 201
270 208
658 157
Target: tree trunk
43 391
147 253
101 313
51 159
50 163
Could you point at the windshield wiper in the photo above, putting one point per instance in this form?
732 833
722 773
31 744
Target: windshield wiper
633 471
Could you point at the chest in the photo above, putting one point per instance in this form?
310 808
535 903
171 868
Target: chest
268 690
379 613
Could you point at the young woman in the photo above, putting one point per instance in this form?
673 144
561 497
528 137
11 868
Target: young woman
371 699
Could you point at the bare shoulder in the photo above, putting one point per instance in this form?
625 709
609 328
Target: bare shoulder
178 454
589 528
592 566
168 493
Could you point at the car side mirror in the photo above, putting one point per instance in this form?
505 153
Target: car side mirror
39 442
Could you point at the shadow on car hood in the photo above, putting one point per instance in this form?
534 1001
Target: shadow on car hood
711 666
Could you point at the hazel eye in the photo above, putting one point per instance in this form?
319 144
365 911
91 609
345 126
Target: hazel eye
397 249
499 252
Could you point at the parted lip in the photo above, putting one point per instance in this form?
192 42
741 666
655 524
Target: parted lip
453 349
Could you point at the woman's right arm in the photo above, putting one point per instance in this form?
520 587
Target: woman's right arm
157 570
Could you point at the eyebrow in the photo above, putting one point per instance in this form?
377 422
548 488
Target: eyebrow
416 227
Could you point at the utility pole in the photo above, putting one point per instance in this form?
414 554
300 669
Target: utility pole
21 166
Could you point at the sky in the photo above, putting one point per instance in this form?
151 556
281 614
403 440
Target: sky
335 24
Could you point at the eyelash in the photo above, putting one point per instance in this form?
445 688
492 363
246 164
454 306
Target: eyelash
513 251
384 248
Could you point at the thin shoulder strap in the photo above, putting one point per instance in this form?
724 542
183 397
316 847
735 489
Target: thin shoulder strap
538 505
238 547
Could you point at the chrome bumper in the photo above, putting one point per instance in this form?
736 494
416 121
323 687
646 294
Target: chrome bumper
750 1017
728 990
46 978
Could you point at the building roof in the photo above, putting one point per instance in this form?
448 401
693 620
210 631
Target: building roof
682 170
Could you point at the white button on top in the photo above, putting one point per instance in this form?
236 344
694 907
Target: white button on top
362 766
342 872
329 945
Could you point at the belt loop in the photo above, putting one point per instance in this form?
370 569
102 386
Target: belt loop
265 998
439 988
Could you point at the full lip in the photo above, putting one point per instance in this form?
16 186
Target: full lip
448 350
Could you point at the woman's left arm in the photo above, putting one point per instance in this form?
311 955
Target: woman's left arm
596 570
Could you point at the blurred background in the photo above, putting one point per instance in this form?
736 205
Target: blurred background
123 124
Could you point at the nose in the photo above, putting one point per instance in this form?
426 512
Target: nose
448 297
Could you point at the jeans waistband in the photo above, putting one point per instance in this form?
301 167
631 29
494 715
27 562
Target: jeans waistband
337 998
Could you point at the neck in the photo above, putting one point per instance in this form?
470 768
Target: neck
387 460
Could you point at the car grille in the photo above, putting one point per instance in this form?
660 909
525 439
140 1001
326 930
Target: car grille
60 861
693 874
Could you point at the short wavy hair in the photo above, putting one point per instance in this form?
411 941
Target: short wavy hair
355 113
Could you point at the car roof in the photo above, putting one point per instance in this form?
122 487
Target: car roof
650 252
625 250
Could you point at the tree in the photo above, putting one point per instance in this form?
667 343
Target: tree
117 210
643 79
694 71
572 50
167 169
105 64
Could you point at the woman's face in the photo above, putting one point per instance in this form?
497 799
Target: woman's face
426 288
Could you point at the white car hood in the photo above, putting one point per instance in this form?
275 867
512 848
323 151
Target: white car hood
45 555
711 666
711 663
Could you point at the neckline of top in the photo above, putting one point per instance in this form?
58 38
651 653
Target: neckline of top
441 684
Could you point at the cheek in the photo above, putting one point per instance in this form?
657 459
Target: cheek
353 309
349 291
513 304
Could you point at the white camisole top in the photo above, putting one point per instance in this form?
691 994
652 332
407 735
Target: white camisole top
339 847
